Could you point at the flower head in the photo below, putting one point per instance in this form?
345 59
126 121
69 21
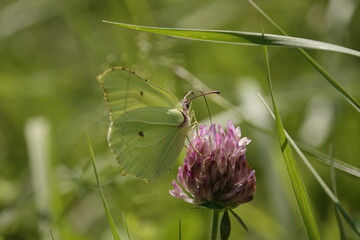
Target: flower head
215 173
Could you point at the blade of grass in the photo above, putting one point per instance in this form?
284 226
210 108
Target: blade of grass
221 101
52 235
247 38
312 61
340 223
297 184
337 214
318 178
113 228
126 226
179 229
242 38
326 159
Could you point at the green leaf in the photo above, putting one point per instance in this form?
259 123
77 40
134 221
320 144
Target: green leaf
225 226
297 184
312 61
242 38
237 217
251 38
113 228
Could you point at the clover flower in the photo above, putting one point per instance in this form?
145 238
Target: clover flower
215 173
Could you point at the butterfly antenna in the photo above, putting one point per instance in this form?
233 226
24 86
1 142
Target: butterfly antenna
189 93
207 107
201 95
206 102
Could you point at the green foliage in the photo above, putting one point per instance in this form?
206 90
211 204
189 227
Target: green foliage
109 217
297 183
241 38
51 53
313 62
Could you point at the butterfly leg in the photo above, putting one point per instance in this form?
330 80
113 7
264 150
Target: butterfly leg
196 150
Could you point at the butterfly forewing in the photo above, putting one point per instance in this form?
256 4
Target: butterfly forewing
125 90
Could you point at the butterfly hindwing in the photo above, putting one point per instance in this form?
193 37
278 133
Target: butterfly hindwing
147 141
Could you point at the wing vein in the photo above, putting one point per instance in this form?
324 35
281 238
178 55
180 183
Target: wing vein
170 145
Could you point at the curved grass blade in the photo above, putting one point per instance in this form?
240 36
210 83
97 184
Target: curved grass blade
319 179
113 228
242 38
325 159
126 226
341 225
312 61
319 156
251 38
52 235
297 184
337 214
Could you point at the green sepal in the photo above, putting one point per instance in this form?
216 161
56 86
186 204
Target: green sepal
225 226
237 217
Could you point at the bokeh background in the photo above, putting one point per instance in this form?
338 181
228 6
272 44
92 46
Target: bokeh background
50 54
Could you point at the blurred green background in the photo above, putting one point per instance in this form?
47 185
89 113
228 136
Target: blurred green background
50 54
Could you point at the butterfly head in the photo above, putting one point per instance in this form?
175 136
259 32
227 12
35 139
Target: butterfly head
186 102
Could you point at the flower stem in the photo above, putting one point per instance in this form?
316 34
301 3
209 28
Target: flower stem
215 224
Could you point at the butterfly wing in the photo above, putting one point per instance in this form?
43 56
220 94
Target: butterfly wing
148 129
147 141
125 90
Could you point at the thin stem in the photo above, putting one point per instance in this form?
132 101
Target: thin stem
215 224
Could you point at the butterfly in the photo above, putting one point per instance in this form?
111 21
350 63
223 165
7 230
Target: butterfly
148 125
